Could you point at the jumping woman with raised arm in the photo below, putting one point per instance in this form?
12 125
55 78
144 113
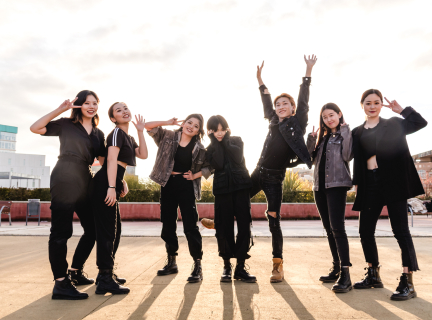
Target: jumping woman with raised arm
385 175
178 169
80 143
231 186
122 151
332 179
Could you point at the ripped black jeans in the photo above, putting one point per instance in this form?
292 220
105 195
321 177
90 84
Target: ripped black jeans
270 181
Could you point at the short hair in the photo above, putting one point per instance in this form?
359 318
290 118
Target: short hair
214 121
76 113
290 98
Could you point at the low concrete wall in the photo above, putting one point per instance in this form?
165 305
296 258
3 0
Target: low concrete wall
131 211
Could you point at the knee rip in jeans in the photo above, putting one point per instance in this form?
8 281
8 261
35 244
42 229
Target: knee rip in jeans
272 213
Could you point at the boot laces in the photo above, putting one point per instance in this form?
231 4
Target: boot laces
69 283
246 268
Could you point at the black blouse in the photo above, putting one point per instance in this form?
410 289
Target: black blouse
75 142
183 157
126 143
368 141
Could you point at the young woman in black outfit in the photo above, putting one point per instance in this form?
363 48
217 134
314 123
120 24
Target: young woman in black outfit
385 175
332 179
178 169
80 143
231 186
122 151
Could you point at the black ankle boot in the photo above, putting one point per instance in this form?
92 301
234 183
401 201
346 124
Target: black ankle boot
242 274
372 279
106 283
343 284
196 275
405 289
66 290
333 274
227 271
116 278
80 277
169 268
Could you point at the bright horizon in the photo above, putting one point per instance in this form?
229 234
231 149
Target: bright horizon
172 59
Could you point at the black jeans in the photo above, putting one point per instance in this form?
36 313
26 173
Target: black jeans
107 219
227 206
179 192
398 216
270 181
70 192
331 204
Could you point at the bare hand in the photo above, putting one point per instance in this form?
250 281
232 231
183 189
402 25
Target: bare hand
125 189
140 123
344 124
110 199
229 130
67 104
314 133
210 132
259 70
189 175
310 61
174 122
393 106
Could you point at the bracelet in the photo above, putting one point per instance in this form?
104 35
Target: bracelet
111 187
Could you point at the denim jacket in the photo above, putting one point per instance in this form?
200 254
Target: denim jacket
339 154
167 142
293 128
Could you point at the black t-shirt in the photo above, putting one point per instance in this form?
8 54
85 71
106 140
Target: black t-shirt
323 162
279 152
126 143
183 157
368 141
75 141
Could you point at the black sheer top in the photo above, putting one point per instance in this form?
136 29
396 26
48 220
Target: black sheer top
126 143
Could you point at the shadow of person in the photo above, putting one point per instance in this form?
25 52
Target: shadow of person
244 293
228 300
286 292
189 296
159 284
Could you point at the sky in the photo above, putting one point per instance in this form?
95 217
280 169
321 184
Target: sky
172 58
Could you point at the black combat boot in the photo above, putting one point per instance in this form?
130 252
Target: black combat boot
80 277
106 283
169 268
405 289
333 274
66 290
343 284
196 275
116 278
242 274
227 271
372 279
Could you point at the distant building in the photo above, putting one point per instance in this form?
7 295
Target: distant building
423 164
20 170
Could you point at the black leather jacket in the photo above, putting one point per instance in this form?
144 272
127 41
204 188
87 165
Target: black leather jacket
293 128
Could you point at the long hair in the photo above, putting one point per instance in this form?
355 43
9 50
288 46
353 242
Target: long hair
323 129
76 113
200 119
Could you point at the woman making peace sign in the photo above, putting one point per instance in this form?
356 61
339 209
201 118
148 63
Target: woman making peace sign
384 174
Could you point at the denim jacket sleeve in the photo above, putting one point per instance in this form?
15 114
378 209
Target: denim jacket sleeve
311 142
159 133
347 150
303 103
269 112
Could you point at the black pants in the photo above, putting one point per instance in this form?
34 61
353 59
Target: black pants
70 192
227 206
398 216
179 192
107 218
270 181
331 204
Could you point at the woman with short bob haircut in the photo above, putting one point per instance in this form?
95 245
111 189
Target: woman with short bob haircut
332 179
385 175
231 186
178 169
80 143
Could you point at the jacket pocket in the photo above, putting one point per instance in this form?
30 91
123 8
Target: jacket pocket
220 180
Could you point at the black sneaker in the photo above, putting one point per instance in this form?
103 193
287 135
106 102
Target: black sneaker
106 283
197 274
241 273
405 289
66 290
169 268
79 277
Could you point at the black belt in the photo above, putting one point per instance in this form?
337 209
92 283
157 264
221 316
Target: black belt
271 171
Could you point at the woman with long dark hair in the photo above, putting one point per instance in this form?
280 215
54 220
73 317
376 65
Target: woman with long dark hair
332 179
80 143
385 175
231 186
122 151
178 169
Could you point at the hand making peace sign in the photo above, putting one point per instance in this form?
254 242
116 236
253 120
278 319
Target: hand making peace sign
67 104
314 133
393 106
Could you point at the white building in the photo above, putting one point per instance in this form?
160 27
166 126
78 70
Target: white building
19 170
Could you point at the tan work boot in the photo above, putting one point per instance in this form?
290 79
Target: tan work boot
208 223
277 273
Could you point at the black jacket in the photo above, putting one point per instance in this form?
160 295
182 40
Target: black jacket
227 161
293 128
397 171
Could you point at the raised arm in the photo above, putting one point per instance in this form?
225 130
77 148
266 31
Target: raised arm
303 98
347 153
269 112
413 120
311 142
234 150
39 127
215 153
154 128
140 152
